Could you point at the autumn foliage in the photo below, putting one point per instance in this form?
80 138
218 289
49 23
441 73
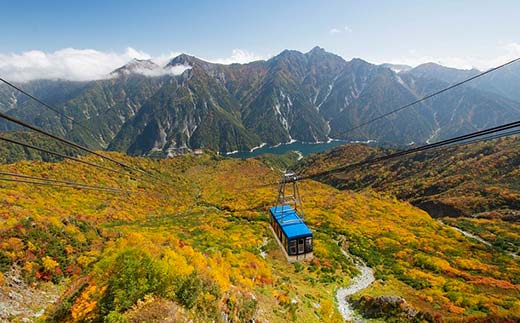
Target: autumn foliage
196 245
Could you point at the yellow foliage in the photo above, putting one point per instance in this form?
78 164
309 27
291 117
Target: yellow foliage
69 249
49 264
328 313
15 244
29 266
204 221
86 303
31 246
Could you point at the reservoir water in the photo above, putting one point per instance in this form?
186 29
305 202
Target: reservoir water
304 148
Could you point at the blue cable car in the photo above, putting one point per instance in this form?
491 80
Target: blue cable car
286 219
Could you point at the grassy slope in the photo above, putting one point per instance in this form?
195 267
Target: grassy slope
197 243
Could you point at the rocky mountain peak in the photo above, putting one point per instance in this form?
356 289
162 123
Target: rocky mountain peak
136 66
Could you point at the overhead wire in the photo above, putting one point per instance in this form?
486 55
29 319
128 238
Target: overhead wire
66 141
61 139
493 137
460 140
54 153
442 143
47 106
62 183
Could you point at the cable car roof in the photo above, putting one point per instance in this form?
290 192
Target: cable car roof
292 225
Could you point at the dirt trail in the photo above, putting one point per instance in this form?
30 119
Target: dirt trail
359 282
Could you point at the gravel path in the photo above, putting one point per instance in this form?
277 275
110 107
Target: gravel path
360 282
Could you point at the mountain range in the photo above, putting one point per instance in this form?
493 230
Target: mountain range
146 109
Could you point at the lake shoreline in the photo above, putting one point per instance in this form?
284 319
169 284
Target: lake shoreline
303 148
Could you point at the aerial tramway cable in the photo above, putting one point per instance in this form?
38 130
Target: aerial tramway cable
60 139
50 152
57 182
48 106
66 141
442 143
460 140
497 136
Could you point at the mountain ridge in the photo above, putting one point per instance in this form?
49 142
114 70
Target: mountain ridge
190 103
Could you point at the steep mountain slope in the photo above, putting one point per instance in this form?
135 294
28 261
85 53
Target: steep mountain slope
193 111
201 249
442 73
146 109
463 110
363 92
102 106
504 82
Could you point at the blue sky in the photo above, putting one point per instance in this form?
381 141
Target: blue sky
455 33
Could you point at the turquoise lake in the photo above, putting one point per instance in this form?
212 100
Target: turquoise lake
303 147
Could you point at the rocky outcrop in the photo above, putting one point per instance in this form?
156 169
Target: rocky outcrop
17 299
389 308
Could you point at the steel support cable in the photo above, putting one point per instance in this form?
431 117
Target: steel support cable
50 152
47 106
418 149
414 150
65 141
497 136
501 135
81 160
62 183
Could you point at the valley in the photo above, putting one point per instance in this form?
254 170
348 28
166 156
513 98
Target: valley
260 161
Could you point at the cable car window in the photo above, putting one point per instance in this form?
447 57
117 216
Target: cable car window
308 244
300 246
292 247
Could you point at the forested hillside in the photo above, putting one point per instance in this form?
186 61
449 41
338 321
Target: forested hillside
145 109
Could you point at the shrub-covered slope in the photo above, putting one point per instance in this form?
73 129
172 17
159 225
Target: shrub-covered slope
461 180
197 245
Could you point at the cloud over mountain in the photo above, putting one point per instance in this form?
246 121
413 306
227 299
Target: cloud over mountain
90 64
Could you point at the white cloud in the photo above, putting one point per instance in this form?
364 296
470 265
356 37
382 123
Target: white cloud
508 51
240 56
345 29
163 59
89 64
159 70
68 63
